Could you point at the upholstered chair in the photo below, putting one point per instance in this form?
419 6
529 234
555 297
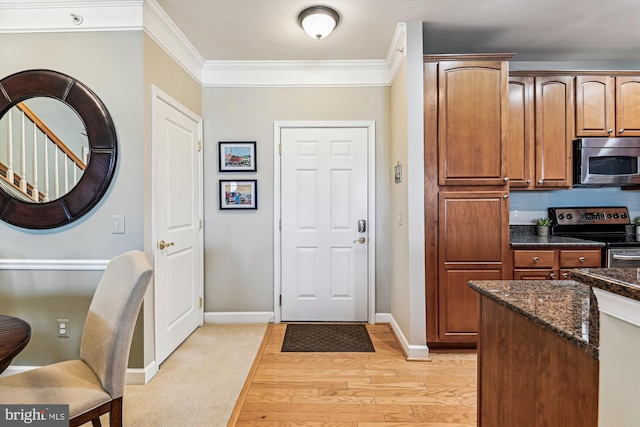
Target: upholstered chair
94 384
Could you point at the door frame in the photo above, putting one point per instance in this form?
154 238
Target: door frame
370 125
158 95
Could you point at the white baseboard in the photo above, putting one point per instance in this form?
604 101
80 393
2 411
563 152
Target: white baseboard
413 351
239 317
141 376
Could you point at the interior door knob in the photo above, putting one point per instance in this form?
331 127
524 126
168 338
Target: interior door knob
162 244
360 240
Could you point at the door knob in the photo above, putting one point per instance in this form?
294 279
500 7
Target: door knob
162 244
360 240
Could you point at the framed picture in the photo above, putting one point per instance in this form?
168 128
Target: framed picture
238 194
237 156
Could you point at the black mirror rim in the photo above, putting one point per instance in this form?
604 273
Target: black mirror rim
102 138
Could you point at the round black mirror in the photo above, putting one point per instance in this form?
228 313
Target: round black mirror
91 169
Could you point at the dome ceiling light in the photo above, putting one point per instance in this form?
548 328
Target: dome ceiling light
318 21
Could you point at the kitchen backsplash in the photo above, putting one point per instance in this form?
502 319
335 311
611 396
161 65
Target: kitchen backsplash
528 206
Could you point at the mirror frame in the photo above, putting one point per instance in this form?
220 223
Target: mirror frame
101 134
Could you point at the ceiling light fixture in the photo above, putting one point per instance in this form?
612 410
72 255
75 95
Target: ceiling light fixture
318 21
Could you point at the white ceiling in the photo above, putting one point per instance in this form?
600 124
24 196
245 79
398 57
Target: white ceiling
536 30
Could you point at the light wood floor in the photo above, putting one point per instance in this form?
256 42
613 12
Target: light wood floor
357 389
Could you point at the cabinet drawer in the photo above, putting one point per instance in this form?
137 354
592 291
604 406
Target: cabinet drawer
580 258
533 259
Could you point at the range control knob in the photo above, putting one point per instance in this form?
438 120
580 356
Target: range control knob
615 216
623 215
560 216
569 216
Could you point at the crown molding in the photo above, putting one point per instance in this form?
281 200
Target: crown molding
295 73
39 16
166 33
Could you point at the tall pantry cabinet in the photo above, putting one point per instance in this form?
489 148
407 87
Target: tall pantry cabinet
466 188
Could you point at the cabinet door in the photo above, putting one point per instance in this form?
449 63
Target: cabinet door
554 131
628 106
472 123
473 244
458 303
473 227
595 100
520 133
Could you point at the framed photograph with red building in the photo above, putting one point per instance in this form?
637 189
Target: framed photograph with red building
237 156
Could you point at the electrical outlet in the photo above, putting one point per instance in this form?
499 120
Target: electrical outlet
63 328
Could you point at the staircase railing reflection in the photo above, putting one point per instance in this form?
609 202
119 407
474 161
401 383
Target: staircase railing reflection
36 172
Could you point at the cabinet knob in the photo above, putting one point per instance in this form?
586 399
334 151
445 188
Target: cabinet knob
621 130
552 275
540 182
535 259
565 275
505 179
506 196
609 131
581 259
528 181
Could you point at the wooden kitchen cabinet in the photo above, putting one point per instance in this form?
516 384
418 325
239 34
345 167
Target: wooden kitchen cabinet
607 106
473 245
472 122
521 133
554 134
540 133
553 263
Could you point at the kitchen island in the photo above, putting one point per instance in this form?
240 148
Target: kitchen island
541 347
537 353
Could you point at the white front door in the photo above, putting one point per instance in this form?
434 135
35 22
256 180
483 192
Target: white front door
178 231
324 198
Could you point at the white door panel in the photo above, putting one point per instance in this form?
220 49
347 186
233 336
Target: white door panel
177 213
324 192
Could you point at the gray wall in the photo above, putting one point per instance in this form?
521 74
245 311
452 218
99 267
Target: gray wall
245 238
110 63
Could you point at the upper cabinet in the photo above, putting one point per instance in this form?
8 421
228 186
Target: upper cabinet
472 122
607 106
540 132
521 132
628 105
554 131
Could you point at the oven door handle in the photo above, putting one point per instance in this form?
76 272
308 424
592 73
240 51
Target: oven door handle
627 257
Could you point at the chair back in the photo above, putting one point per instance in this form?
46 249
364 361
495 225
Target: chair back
107 334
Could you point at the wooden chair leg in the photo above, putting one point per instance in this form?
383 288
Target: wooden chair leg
96 422
115 415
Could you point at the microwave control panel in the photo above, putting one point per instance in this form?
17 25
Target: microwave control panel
596 215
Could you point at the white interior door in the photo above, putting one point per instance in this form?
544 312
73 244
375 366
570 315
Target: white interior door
324 196
178 231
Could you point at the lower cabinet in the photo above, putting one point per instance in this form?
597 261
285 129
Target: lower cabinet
553 263
472 245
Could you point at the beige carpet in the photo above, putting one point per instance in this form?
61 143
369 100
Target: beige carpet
198 385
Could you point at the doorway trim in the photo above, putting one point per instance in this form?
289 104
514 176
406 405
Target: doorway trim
370 125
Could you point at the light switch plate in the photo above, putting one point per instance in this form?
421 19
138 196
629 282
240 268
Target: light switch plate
117 224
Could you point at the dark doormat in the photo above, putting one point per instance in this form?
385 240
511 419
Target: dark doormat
327 337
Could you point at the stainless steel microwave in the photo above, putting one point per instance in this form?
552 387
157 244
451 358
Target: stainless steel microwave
606 161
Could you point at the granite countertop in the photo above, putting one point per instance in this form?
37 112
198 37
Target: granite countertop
620 281
564 307
523 236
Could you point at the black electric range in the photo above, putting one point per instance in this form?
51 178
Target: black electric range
610 225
